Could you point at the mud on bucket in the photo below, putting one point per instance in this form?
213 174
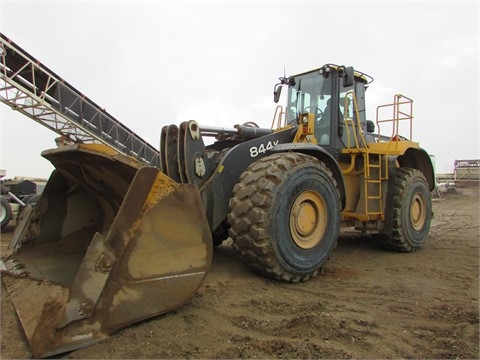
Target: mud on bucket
110 242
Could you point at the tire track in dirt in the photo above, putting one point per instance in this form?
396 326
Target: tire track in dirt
367 303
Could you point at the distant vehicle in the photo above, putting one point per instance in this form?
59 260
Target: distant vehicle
15 194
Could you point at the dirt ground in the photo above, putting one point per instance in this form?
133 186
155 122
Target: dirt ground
367 303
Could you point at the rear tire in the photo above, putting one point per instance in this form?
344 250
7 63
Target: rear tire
412 213
5 213
285 216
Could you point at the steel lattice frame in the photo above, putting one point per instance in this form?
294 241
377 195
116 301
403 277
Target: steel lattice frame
33 90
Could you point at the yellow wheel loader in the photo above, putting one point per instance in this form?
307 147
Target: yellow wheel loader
115 239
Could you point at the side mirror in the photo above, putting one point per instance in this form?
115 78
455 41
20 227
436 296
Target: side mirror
370 126
348 76
277 92
278 88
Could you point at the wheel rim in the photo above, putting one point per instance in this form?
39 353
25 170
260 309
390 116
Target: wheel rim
3 213
418 211
308 219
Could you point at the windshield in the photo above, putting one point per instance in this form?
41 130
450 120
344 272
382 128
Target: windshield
312 93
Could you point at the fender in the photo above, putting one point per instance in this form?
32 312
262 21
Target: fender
420 160
322 155
217 188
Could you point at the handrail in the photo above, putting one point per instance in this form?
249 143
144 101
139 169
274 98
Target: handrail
279 112
359 138
401 110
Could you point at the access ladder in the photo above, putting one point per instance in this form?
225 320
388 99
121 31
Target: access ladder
376 154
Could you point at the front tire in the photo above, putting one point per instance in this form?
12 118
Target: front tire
285 216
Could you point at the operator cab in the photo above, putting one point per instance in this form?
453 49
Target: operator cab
329 93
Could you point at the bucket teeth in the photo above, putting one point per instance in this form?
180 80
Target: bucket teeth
13 267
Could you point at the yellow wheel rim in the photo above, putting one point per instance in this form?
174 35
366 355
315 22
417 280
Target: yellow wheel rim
418 211
308 219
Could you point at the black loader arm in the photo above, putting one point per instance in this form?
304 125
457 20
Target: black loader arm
218 189
214 169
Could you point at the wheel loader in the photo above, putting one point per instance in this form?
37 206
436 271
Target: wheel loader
113 241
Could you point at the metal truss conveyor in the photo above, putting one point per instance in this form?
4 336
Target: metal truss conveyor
32 89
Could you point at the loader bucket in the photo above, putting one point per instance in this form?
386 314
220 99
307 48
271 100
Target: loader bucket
110 242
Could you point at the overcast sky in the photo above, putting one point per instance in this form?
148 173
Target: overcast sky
152 63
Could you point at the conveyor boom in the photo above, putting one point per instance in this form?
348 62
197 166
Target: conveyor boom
32 89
